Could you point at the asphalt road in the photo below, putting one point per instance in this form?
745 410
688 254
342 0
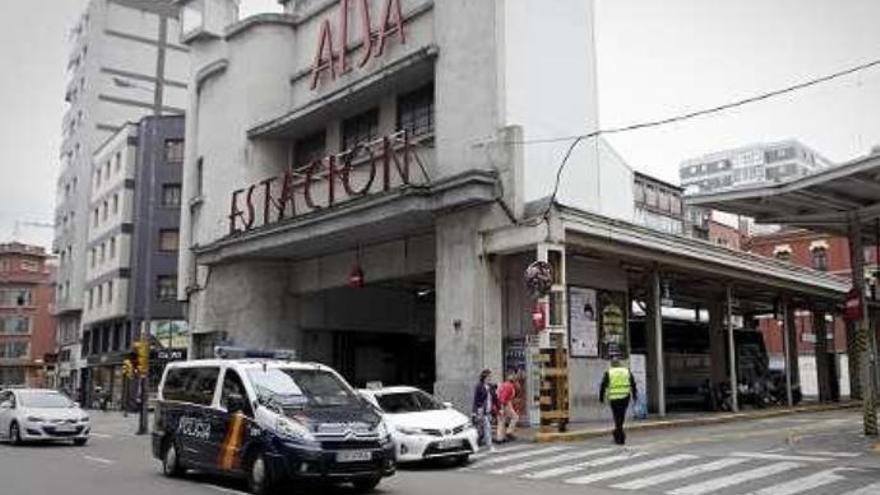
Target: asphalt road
803 454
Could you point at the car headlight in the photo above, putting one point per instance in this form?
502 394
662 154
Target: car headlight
35 419
382 431
406 430
293 430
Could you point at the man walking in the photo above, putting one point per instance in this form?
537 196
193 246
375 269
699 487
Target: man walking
484 407
620 385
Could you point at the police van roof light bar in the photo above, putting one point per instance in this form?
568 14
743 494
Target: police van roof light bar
225 352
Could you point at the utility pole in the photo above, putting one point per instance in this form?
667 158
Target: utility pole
864 341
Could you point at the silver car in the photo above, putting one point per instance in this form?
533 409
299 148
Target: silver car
41 415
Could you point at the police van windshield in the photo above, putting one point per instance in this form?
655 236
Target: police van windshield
286 388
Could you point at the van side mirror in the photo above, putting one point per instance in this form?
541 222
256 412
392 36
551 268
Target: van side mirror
236 403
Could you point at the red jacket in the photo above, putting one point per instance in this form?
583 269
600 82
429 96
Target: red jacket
506 392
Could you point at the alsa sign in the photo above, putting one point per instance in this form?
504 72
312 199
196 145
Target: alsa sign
368 168
333 55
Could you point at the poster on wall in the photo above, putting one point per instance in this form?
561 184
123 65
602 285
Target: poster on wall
583 325
613 323
637 365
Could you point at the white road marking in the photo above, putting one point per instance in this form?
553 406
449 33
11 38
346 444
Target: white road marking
781 457
570 456
100 460
866 490
633 468
716 484
223 489
549 473
497 459
503 450
679 474
799 485
842 455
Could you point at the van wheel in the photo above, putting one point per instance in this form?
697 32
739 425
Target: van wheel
79 442
259 477
14 434
366 485
461 460
171 461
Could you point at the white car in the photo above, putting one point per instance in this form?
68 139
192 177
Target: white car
422 427
41 415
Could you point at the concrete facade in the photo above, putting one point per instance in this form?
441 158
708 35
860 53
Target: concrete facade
123 64
131 281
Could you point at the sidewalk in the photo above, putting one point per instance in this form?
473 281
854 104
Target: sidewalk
593 429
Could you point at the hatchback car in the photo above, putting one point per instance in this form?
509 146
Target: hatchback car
422 427
28 415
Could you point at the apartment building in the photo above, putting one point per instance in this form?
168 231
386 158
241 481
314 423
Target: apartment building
124 63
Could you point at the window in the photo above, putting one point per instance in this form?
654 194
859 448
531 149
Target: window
14 297
415 111
99 299
4 265
95 217
819 257
109 292
105 209
15 325
783 255
12 377
169 240
195 385
173 150
361 128
639 192
200 176
30 266
309 149
107 170
650 195
675 205
171 195
97 179
233 386
664 200
116 203
14 350
112 247
93 257
166 287
91 299
118 160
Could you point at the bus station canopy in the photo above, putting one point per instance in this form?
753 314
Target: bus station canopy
823 202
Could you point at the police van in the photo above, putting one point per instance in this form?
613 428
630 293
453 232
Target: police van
271 421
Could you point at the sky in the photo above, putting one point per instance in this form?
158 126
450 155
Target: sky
655 59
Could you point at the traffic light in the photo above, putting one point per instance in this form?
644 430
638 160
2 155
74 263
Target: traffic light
142 349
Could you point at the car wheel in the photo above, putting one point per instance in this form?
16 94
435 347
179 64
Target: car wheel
79 442
171 461
15 434
259 478
366 485
461 460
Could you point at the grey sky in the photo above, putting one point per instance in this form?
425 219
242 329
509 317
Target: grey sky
655 59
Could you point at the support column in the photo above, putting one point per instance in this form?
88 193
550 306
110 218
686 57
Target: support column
852 355
654 343
792 368
820 349
717 355
468 308
863 332
731 349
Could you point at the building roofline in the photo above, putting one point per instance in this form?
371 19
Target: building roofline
670 185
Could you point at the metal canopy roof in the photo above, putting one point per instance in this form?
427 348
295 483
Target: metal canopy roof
821 202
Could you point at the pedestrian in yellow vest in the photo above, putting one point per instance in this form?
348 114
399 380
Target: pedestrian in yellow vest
620 386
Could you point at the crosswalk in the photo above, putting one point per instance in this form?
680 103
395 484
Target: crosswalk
628 470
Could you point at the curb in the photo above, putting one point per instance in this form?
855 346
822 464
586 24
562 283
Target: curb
577 435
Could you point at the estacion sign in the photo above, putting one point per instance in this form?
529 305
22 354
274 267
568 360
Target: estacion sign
366 169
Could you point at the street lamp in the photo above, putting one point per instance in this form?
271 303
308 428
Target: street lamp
147 276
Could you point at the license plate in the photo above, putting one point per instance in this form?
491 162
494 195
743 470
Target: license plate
354 456
65 429
449 444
